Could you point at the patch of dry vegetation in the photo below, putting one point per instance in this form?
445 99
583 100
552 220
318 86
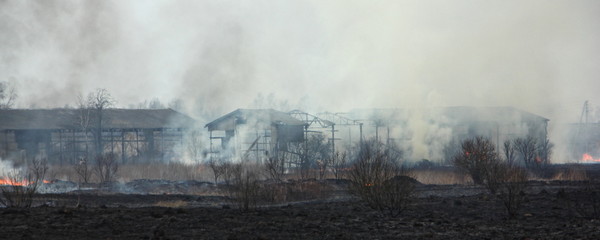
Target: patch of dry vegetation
575 172
175 171
441 176
172 204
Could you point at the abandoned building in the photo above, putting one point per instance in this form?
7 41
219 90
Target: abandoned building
254 134
263 132
64 136
436 127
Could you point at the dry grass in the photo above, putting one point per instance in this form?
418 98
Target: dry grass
170 171
128 172
172 204
572 173
441 176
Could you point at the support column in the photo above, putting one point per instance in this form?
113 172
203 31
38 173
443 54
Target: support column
123 156
332 140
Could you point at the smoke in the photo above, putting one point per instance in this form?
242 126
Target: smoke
217 56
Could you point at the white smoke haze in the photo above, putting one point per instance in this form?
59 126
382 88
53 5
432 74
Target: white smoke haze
216 56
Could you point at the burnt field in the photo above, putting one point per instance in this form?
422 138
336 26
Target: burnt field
160 209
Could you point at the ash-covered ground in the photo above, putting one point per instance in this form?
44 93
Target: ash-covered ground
159 209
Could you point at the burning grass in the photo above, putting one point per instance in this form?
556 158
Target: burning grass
574 172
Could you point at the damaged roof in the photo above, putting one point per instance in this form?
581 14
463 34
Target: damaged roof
265 117
24 119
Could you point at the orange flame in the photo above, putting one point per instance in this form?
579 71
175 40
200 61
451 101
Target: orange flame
588 158
4 181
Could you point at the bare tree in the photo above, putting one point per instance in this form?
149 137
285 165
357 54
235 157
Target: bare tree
91 114
194 145
476 157
8 95
527 149
543 159
509 152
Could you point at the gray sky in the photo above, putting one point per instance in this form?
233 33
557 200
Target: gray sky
540 56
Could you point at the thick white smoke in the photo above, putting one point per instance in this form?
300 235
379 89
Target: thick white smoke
216 56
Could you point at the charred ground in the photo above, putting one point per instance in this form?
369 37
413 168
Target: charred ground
553 209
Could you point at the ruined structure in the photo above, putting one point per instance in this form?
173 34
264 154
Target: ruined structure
435 128
420 133
66 135
254 134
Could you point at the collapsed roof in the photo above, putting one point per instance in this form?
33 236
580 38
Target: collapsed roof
261 117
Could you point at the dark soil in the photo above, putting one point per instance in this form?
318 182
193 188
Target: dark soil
554 210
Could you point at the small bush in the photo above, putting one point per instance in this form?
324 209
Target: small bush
512 183
376 179
106 167
503 179
245 188
478 156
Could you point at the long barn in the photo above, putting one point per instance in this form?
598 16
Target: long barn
65 135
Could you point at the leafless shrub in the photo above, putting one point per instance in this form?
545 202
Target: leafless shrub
245 189
316 149
323 166
106 167
512 183
503 179
275 166
22 184
476 157
495 174
218 168
379 180
339 163
83 170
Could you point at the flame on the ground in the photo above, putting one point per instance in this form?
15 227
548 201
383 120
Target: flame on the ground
4 181
588 158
